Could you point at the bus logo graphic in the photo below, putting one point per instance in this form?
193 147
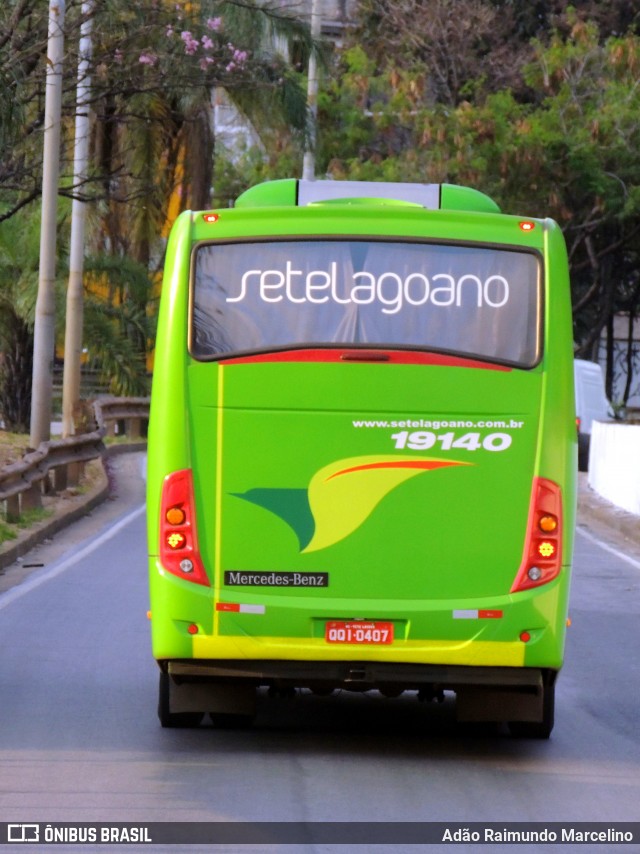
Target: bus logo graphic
340 496
23 833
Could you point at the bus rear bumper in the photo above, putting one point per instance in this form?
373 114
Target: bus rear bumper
482 693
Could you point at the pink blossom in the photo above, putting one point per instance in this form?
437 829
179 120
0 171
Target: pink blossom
191 44
231 66
205 62
214 24
169 31
240 56
206 42
148 59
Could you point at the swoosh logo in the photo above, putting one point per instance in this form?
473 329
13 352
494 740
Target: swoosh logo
341 496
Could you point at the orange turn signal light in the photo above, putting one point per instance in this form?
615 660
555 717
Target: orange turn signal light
548 524
175 516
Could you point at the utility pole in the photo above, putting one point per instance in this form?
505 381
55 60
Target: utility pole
75 294
309 160
44 328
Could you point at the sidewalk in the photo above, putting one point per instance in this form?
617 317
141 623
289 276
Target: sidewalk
605 519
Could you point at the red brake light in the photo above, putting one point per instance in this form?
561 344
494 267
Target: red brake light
178 537
542 557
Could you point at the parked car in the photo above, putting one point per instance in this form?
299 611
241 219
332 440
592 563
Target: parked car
591 405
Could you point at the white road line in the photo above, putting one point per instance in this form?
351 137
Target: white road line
58 568
635 563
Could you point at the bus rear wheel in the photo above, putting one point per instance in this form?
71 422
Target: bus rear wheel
231 720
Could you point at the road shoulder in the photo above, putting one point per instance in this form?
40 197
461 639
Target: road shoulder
607 522
115 487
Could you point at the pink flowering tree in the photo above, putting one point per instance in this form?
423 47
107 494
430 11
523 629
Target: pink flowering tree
155 65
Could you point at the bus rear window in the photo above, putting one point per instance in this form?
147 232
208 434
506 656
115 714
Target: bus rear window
259 296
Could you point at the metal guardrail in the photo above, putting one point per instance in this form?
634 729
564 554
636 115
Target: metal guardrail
59 463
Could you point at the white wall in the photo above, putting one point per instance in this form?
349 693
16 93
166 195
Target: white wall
614 464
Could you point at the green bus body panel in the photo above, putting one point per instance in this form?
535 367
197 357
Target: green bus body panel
312 506
284 191
269 194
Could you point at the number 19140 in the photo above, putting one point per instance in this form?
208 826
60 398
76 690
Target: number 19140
423 440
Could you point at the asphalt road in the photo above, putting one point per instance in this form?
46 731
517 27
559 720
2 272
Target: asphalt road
80 740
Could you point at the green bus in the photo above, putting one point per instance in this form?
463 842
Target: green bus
362 453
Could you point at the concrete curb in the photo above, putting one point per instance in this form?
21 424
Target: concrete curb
596 511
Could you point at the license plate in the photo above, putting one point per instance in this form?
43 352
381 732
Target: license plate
358 632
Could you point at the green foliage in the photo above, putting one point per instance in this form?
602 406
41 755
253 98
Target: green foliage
19 262
154 67
119 316
119 322
536 104
561 142
235 171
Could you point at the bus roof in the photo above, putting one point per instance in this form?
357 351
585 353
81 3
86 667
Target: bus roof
291 192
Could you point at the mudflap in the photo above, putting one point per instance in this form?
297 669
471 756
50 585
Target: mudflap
529 712
183 703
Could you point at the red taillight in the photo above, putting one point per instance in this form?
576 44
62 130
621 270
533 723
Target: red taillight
178 537
542 557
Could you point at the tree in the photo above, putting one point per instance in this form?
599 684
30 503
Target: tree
459 48
154 67
119 323
562 142
119 316
19 256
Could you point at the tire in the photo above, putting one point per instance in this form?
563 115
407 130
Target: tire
228 720
174 720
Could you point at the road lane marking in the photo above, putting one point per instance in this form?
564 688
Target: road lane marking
66 563
635 563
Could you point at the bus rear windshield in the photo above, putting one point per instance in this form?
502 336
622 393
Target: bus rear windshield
259 296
